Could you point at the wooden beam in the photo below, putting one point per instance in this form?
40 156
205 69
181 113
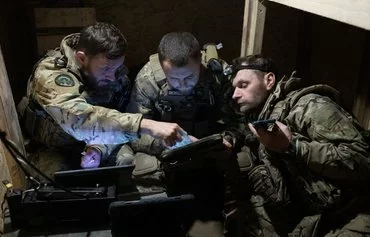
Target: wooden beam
253 26
356 13
9 123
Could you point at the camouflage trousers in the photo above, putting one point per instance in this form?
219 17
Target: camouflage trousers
254 218
353 220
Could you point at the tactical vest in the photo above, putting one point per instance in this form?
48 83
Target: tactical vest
192 112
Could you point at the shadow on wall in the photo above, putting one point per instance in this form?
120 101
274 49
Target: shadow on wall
145 22
17 44
301 41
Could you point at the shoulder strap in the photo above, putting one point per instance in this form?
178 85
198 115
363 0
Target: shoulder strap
320 89
159 75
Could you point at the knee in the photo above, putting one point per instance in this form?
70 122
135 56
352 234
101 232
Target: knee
125 159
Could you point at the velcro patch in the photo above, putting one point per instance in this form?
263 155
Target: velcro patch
64 80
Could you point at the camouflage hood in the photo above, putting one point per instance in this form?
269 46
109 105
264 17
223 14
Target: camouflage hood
67 48
290 90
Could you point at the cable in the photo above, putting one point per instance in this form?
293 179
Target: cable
15 153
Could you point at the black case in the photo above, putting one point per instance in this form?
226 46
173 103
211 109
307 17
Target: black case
154 215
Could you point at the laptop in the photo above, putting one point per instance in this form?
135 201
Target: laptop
104 176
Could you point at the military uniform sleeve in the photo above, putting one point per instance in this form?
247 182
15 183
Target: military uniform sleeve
105 150
58 93
326 140
144 93
148 144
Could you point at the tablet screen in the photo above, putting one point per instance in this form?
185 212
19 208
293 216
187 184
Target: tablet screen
192 148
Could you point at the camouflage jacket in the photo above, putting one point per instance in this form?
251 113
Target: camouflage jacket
329 157
150 84
74 113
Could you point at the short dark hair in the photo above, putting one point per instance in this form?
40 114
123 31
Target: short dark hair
178 47
255 62
103 38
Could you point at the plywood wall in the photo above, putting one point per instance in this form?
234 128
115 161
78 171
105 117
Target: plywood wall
9 123
145 22
323 51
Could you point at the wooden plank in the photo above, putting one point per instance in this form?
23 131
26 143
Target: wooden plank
64 17
9 123
253 27
356 13
4 175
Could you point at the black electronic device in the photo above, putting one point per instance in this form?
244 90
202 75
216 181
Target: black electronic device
263 123
47 193
81 197
213 141
156 215
51 207
103 176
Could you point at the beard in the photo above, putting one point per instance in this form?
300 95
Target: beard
255 106
88 78
244 108
94 83
187 91
184 91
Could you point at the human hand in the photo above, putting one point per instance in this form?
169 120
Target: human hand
227 144
169 132
277 140
192 138
91 158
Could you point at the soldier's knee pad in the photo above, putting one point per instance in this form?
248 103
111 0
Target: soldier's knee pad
125 159
245 161
145 164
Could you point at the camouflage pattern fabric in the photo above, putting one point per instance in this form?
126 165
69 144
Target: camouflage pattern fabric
325 170
150 84
148 89
69 113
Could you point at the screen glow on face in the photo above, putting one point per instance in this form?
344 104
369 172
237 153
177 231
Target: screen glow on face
182 79
101 70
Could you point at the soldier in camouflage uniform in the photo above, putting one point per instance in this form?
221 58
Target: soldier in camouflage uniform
311 168
180 85
77 95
